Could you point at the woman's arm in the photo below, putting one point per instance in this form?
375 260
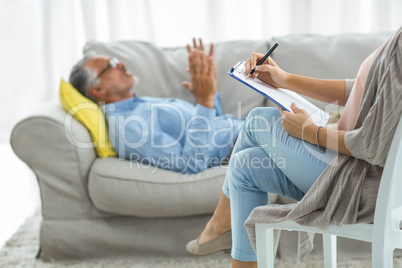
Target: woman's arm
329 138
300 125
329 91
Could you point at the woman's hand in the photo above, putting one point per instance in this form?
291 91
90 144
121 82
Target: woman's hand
269 71
202 69
298 124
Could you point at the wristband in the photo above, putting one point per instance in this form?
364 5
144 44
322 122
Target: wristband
316 139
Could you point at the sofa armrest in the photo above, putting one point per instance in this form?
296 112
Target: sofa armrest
60 167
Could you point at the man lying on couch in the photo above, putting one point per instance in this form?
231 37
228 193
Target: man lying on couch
165 132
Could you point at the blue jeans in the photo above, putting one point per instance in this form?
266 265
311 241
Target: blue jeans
266 160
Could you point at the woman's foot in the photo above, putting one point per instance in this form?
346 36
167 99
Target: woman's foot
222 242
217 233
219 223
211 232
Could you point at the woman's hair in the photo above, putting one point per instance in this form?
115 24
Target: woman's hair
82 78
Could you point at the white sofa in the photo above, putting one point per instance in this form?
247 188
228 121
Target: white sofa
105 207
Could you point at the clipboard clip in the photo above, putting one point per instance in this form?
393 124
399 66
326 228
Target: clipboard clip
239 67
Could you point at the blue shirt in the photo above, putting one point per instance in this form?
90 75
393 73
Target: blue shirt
171 133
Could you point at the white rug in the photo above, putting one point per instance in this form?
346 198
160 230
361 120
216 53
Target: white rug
21 249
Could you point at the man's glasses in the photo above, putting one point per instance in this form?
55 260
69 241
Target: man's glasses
111 64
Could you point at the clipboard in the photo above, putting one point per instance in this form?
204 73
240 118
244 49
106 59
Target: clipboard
280 96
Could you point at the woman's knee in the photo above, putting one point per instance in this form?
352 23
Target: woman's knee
244 168
267 112
262 124
262 117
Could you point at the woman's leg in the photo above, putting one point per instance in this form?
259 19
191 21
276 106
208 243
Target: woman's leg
293 156
264 131
266 159
219 222
252 174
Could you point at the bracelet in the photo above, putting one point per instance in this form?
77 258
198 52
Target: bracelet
316 139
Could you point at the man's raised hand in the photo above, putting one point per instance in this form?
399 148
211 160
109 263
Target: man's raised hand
202 69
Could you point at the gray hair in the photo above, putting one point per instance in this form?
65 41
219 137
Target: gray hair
82 78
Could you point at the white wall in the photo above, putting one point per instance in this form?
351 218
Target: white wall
41 39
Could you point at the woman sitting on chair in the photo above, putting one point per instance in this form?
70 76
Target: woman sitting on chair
335 173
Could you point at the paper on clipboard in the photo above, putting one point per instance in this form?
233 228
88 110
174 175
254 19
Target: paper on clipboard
280 96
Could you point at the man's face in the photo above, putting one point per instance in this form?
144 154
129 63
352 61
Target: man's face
115 83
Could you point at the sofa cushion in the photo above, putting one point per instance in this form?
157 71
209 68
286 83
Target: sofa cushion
89 114
161 70
136 189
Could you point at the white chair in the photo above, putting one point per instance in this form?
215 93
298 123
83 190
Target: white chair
384 234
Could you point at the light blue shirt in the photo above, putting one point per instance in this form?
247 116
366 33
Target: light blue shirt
171 133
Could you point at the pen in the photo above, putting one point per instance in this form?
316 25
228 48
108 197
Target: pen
263 59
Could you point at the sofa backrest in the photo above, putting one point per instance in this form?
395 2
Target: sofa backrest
161 70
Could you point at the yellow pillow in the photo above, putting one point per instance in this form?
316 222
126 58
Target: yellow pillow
89 114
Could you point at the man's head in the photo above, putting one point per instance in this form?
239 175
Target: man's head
102 79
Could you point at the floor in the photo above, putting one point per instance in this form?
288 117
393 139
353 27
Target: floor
19 192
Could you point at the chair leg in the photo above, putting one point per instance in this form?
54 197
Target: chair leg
265 246
381 256
329 242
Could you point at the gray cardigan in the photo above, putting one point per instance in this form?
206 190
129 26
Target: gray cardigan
346 191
